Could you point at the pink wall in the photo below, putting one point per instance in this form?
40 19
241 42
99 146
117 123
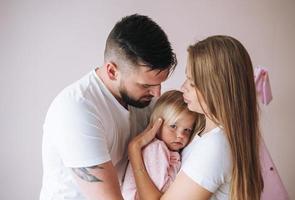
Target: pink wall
47 45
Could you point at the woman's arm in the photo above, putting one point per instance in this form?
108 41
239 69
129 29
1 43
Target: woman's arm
185 188
182 188
145 187
156 157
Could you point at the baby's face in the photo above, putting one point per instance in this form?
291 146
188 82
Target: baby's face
177 135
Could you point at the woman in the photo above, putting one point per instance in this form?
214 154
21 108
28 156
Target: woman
222 162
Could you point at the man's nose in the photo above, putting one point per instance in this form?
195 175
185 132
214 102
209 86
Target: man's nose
155 91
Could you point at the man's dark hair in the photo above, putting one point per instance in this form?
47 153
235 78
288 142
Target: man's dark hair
140 40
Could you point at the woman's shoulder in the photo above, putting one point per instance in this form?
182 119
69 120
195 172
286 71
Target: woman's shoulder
213 147
215 139
209 162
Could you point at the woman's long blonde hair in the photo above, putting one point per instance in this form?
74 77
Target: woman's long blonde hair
222 71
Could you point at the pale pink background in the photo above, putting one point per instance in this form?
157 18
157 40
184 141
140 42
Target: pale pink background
45 45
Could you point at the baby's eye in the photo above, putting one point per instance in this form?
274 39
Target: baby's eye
188 130
145 85
173 126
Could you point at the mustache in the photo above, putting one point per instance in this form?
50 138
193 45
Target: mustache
147 97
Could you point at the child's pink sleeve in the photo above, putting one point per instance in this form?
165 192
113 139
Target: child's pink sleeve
161 164
128 187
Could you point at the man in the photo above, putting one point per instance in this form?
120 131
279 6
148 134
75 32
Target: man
89 124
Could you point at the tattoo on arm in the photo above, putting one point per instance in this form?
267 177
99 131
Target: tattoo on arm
85 174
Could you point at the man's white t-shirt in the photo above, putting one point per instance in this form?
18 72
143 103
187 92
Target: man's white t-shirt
207 161
85 126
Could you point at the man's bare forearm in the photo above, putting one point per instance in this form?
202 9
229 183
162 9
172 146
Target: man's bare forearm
98 182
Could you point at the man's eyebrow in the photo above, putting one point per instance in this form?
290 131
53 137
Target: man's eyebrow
149 84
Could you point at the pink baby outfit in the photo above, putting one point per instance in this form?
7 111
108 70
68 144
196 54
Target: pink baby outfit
161 164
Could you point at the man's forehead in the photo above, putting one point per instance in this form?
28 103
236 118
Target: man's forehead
152 76
152 73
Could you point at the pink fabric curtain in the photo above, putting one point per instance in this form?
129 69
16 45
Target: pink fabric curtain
273 186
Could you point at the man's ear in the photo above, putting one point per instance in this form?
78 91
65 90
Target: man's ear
112 70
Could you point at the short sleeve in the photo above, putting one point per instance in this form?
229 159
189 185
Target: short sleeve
209 163
78 133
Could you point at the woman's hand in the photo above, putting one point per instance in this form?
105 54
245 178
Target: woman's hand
144 184
144 138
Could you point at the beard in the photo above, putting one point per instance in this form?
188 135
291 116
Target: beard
129 100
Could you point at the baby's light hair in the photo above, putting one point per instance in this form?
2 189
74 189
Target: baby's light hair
170 106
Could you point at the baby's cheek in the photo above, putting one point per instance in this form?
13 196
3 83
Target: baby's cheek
186 140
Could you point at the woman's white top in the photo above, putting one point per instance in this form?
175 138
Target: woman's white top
207 161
